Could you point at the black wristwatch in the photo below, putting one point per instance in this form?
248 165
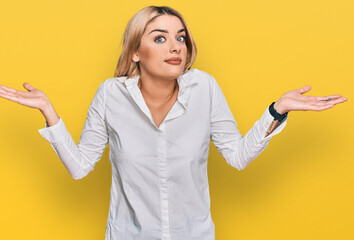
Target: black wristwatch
275 114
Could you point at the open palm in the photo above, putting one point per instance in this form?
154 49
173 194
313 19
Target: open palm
295 101
34 98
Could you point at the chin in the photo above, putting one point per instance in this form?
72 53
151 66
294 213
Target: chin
174 76
174 72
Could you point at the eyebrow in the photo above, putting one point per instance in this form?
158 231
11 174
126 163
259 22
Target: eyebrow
165 31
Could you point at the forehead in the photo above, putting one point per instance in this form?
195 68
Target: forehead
165 22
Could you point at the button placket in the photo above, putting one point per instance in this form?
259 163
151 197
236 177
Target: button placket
161 145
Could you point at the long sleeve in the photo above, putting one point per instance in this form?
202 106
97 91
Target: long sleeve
238 150
80 159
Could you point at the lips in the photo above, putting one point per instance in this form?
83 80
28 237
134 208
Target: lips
174 61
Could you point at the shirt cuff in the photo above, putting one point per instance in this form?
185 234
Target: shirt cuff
54 133
266 120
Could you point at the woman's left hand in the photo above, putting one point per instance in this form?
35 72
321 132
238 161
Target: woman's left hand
295 101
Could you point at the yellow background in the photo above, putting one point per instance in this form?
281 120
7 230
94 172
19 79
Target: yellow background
300 187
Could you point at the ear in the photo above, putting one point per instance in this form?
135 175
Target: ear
136 57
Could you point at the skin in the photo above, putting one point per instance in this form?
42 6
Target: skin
295 101
153 51
158 78
163 39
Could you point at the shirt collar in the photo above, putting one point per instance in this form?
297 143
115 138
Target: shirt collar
184 80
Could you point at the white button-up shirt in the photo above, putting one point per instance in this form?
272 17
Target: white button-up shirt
160 184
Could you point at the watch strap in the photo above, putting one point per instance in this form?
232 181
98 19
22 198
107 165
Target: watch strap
275 114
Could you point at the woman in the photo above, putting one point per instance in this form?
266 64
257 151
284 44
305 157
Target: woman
158 116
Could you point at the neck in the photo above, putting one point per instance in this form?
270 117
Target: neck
157 89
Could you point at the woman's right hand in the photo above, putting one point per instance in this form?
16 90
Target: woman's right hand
34 98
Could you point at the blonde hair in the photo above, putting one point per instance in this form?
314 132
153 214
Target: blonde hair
132 36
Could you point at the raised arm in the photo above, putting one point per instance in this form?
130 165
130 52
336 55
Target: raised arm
238 150
78 159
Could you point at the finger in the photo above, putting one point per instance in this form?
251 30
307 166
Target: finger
334 100
13 93
325 105
9 97
328 98
28 86
304 89
8 89
320 107
339 100
6 92
321 104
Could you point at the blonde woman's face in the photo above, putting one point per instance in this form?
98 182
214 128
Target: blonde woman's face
162 52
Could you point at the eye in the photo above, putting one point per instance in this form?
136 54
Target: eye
159 39
182 38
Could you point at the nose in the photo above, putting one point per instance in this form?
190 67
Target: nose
175 47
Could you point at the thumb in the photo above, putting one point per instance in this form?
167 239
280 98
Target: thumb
28 86
304 89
